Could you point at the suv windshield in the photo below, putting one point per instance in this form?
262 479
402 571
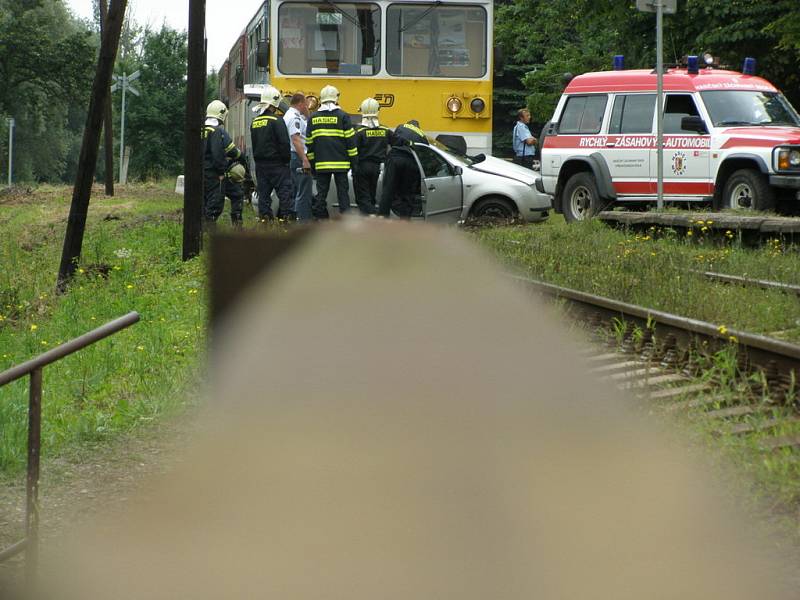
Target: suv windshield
737 107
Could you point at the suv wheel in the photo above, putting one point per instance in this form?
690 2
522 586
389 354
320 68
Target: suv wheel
580 199
747 189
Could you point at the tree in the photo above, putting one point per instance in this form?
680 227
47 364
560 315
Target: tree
156 118
46 59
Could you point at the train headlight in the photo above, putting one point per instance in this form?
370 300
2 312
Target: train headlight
312 102
454 104
788 159
478 105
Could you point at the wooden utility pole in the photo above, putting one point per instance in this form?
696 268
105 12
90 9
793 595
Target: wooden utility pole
193 156
76 224
108 127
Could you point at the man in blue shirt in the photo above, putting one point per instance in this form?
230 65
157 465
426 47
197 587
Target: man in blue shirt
522 141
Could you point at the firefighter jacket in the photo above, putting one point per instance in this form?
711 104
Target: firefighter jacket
218 148
372 143
331 143
409 134
270 139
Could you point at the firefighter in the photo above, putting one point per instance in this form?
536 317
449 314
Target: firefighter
401 178
218 153
332 151
372 143
270 143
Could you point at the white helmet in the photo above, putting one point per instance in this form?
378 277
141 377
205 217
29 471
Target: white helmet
329 94
217 110
270 96
369 108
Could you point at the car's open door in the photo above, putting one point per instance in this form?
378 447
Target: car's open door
441 189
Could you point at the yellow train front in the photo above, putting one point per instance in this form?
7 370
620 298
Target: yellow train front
430 61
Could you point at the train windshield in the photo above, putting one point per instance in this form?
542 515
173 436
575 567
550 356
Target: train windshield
434 40
329 38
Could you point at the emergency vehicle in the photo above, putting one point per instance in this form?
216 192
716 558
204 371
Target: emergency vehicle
730 139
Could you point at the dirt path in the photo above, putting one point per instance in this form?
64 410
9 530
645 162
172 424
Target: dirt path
99 476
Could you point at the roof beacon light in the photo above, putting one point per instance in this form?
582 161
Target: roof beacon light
749 66
619 62
692 65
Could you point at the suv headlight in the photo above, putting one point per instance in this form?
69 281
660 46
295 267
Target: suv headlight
787 159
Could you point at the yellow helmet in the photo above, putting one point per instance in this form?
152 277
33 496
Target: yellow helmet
369 108
217 110
329 94
237 173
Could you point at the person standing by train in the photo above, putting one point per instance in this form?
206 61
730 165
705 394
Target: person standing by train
372 142
270 142
299 165
219 152
330 138
401 178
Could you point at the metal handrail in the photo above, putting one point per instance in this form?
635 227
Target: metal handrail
67 348
33 367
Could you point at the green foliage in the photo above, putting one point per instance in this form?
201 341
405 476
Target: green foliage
46 60
547 39
658 270
130 262
156 118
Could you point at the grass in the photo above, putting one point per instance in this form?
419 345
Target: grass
131 261
655 269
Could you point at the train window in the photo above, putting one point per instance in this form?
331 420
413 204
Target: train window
323 38
429 40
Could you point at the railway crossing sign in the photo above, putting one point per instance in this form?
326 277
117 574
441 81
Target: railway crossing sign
124 83
668 7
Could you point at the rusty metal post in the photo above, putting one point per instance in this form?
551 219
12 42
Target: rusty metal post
32 483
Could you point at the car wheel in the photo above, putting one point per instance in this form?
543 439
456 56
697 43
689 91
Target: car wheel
494 208
747 189
580 199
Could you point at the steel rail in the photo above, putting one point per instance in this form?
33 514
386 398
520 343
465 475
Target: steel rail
760 350
747 281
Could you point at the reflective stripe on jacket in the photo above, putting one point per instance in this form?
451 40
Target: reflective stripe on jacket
330 139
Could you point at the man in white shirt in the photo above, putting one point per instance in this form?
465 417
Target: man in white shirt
299 164
523 141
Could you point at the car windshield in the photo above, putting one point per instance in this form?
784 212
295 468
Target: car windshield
457 156
738 107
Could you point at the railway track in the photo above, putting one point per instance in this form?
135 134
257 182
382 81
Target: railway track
668 360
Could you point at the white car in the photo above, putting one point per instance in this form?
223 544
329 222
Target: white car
456 187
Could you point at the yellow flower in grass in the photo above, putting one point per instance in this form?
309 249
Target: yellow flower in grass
129 286
722 329
81 271
34 327
689 233
140 348
733 339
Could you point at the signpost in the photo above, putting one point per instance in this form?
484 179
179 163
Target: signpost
660 7
11 123
124 83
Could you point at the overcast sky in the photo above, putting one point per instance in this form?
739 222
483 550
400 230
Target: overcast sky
225 19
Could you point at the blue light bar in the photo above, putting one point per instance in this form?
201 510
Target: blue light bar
749 66
691 65
619 62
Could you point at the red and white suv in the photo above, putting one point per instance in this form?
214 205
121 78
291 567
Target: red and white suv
729 138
